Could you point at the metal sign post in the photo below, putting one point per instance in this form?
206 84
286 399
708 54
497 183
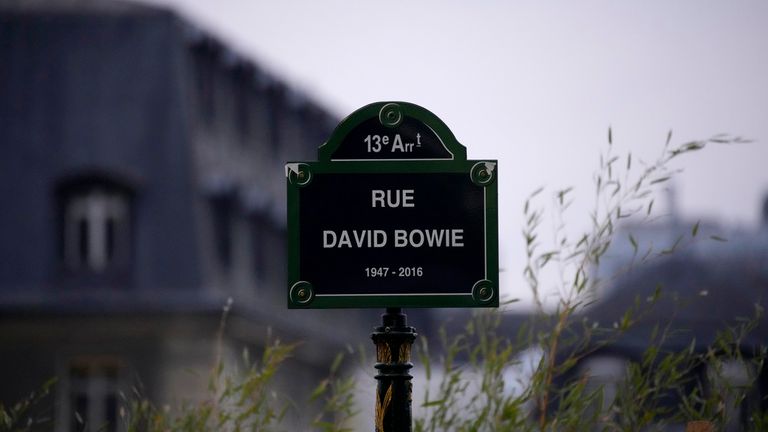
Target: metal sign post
393 340
392 214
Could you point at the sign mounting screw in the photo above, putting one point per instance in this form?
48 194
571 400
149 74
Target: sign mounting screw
301 292
482 173
390 115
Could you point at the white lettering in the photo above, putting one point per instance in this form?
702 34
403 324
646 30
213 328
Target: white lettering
401 238
379 239
435 237
377 196
457 237
357 238
416 238
420 241
392 198
360 238
397 145
408 198
344 239
431 238
329 235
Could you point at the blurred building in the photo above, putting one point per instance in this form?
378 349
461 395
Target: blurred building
141 173
699 283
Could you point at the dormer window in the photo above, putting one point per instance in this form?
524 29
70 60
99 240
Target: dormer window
96 226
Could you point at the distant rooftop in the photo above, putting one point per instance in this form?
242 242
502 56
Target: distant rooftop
77 6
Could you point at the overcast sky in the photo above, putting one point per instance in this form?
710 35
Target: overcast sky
537 84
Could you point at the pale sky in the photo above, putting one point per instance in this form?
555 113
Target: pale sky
537 84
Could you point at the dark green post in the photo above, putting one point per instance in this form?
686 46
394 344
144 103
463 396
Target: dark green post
393 340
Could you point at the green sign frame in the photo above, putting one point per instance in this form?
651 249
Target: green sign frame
355 160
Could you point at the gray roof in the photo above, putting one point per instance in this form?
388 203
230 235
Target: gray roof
58 6
699 296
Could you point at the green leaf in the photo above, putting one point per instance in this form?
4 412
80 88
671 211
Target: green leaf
337 362
436 402
694 145
319 390
695 229
634 242
718 238
561 194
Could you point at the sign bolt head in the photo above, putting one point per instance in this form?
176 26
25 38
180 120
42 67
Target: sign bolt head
390 115
483 291
299 174
301 292
482 173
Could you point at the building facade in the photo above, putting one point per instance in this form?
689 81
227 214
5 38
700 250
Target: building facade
143 190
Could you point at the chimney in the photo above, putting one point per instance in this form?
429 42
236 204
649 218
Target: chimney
764 219
672 203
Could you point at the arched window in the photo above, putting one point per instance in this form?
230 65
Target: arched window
604 373
96 226
734 384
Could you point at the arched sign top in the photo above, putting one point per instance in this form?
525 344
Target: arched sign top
392 131
392 214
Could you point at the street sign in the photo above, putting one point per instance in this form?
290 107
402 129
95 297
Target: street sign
392 215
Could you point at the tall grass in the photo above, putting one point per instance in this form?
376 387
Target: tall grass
472 395
475 384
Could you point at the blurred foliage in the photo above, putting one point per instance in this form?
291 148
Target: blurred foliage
24 415
659 390
488 380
